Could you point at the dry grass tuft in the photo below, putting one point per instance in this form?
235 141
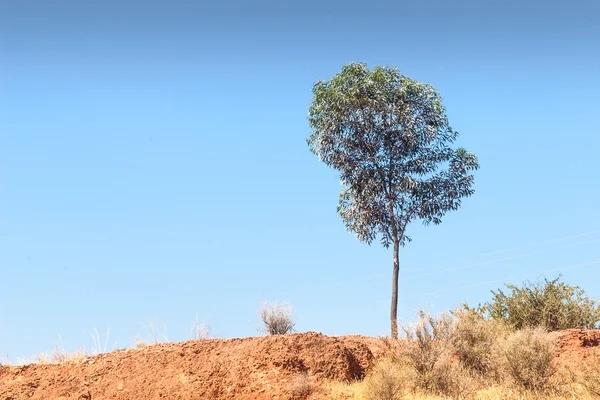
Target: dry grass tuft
588 375
199 330
303 385
527 358
390 379
474 338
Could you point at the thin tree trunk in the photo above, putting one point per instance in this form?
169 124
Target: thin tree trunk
394 308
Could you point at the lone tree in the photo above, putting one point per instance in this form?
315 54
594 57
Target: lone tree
389 138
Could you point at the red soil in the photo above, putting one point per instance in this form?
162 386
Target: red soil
250 368
576 344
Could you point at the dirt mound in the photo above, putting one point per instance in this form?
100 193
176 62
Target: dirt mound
250 368
576 344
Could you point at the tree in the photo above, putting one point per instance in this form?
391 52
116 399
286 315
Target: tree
389 138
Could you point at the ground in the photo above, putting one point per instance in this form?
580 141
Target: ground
271 367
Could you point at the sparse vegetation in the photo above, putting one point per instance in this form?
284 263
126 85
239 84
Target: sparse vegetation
199 330
473 339
302 386
157 333
430 352
278 318
428 349
456 355
552 305
390 379
589 375
461 355
97 349
140 343
58 356
527 357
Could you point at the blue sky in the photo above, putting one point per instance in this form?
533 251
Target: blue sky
153 163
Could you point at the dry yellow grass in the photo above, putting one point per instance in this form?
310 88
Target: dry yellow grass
56 357
356 391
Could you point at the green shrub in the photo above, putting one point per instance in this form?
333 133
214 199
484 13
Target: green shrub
552 305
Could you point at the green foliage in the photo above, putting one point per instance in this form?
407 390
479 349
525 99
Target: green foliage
389 138
552 305
457 355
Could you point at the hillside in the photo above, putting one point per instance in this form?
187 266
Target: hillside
249 368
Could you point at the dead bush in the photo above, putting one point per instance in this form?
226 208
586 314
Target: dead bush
302 386
392 348
473 339
278 318
450 379
430 351
428 345
390 379
526 357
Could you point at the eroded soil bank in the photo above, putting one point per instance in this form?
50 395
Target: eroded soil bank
249 368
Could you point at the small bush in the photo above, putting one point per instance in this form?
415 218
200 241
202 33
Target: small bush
527 357
473 339
430 353
552 305
390 379
302 386
278 318
428 345
452 380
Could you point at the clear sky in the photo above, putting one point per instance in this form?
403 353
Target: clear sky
153 163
